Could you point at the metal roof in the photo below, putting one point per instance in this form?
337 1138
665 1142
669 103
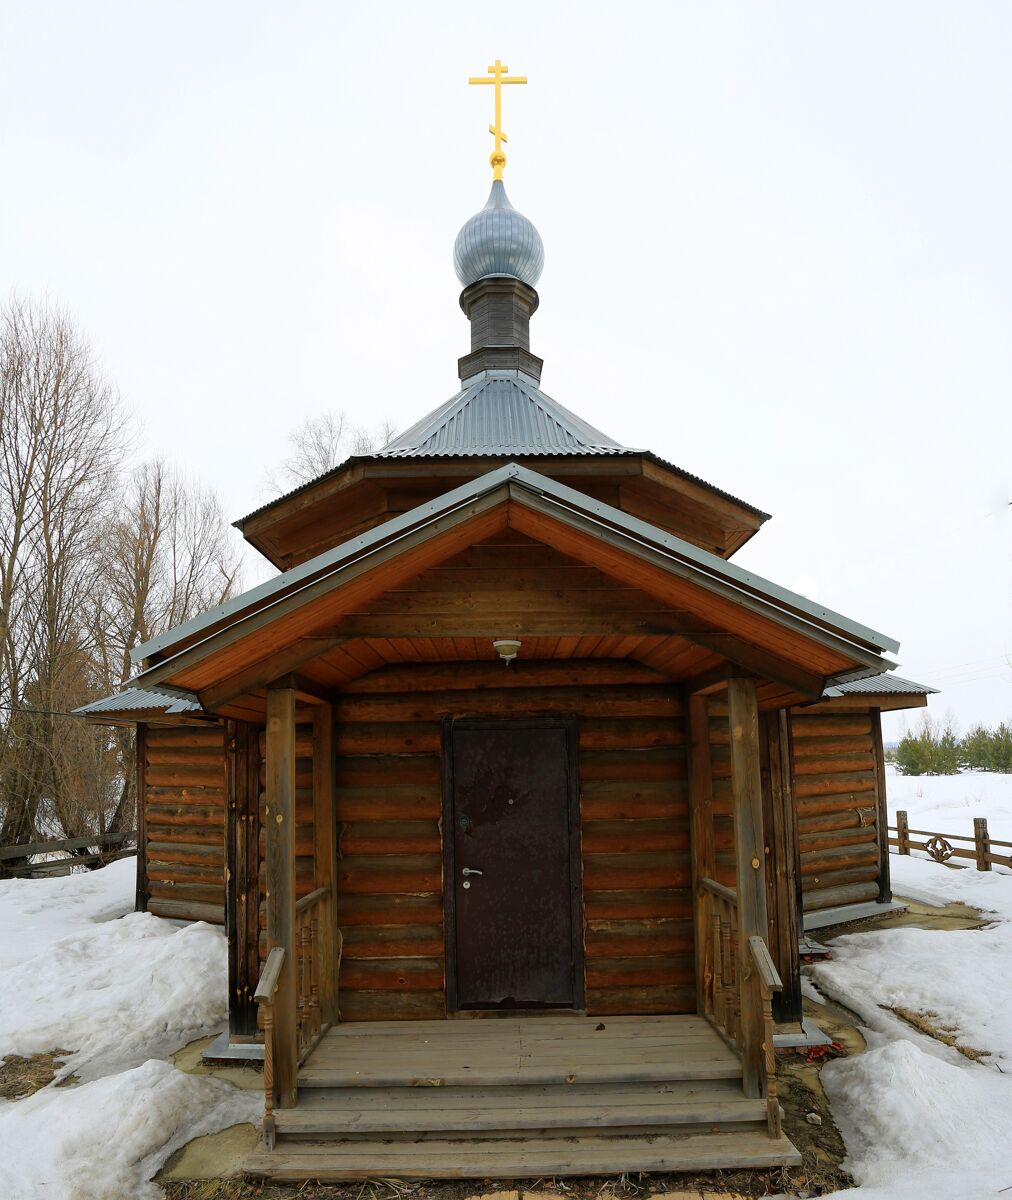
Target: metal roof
708 569
140 700
500 413
498 241
879 685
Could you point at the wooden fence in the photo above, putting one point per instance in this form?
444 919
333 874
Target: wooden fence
942 846
98 848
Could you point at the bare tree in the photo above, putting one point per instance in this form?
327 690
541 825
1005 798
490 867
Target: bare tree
168 556
322 443
61 447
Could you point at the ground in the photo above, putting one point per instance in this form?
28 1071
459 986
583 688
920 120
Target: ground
915 1104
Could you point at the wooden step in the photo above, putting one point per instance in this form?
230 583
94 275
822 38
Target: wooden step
518 1158
489 1110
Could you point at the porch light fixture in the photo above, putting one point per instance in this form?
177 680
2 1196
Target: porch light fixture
507 649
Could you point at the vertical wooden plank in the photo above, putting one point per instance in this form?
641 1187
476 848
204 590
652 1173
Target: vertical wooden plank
241 891
902 831
141 897
881 809
280 831
251 760
325 854
701 832
233 930
746 788
783 892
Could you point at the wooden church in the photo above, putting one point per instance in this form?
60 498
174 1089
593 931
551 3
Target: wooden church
511 789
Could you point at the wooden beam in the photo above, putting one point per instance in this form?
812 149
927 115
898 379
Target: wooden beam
325 855
701 827
713 680
746 789
141 896
885 892
280 831
259 674
783 891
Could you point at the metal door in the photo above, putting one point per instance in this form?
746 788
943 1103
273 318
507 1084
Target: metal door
512 875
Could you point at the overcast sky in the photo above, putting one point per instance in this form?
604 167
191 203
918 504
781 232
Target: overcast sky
778 253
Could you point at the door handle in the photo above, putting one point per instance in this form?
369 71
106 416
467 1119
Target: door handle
470 871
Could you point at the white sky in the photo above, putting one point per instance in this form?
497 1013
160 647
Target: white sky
778 253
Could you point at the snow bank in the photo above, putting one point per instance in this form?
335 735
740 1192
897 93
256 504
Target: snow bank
920 1128
115 992
104 1140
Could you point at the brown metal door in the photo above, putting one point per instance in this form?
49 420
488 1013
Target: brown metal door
512 892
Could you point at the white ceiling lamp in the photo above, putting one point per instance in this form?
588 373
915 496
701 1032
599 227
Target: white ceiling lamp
507 649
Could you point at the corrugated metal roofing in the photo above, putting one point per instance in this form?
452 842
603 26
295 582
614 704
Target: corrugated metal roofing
500 414
880 685
140 700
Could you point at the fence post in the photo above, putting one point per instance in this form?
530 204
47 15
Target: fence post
902 831
982 843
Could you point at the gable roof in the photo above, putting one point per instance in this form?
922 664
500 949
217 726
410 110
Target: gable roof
304 591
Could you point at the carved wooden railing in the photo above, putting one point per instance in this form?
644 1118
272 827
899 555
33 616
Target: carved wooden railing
310 911
738 996
762 980
317 944
264 996
719 927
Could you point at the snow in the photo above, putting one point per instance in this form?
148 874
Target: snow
104 1140
949 803
921 1121
80 971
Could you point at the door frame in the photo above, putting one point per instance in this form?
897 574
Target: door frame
571 727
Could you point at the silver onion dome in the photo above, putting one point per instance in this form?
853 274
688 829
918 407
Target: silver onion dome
498 241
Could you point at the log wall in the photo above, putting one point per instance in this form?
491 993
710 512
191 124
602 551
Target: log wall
838 797
182 781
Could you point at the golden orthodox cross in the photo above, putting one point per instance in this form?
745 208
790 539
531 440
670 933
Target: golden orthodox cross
498 76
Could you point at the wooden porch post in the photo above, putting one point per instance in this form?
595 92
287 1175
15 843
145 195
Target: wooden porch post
701 829
746 788
885 891
325 855
280 834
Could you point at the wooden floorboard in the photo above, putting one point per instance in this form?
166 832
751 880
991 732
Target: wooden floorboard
519 1158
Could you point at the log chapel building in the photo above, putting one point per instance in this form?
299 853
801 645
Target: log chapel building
511 781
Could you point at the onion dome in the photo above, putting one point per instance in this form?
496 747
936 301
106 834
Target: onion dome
498 241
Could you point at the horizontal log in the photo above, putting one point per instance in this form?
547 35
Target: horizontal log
419 737
185 835
637 904
392 941
208 757
623 872
849 818
184 910
183 737
839 858
185 776
625 766
640 972
373 874
401 974
598 733
645 702
842 802
829 839
389 910
390 837
389 803
602 837
833 897
185 814
817 747
356 1005
388 771
197 892
176 873
829 725
638 939
842 764
834 785
841 878
635 1000
180 852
